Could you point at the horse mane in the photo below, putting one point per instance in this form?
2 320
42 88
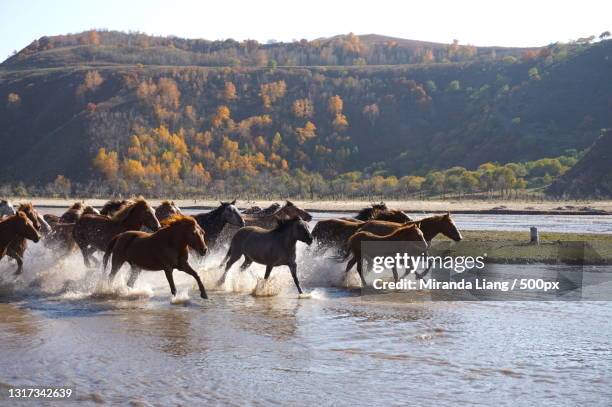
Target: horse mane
76 205
25 207
167 203
368 212
178 218
123 213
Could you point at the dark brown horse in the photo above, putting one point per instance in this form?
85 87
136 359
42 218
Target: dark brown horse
270 247
165 249
214 221
331 233
94 232
166 209
17 247
62 226
408 233
270 220
16 227
114 205
257 211
368 212
381 212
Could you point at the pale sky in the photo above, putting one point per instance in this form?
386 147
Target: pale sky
506 23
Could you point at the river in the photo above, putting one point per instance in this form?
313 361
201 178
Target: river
62 325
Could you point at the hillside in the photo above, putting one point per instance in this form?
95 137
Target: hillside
118 108
592 175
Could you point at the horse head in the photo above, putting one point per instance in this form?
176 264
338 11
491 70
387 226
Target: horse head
26 228
138 213
299 230
449 229
6 208
290 210
231 214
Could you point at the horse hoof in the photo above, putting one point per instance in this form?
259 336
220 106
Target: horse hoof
204 296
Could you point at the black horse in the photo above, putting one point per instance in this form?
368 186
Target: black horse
214 221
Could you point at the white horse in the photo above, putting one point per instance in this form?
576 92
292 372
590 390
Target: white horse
6 208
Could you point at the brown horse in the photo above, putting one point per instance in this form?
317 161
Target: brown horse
381 212
257 211
270 247
406 233
330 233
431 227
114 205
166 209
16 227
18 246
270 220
165 249
62 226
94 232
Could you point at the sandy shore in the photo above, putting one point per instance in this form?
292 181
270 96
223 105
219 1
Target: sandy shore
414 206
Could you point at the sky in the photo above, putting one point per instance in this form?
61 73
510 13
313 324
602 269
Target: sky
476 22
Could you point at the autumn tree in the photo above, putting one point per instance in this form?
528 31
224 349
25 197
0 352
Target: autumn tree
107 163
302 108
335 105
91 82
271 92
305 133
229 91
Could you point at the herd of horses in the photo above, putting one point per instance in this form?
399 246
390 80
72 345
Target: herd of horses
161 239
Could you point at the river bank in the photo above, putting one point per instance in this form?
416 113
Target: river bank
492 207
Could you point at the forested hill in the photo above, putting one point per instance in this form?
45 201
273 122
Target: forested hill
138 113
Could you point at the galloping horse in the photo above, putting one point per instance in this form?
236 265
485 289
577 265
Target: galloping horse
406 233
214 221
114 205
270 247
94 232
6 208
381 212
63 225
165 249
166 209
330 233
430 226
269 220
16 227
18 246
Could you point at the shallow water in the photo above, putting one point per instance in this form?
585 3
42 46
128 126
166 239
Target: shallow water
61 324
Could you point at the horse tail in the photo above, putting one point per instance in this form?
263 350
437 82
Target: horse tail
109 251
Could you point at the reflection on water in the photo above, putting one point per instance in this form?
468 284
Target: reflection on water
61 324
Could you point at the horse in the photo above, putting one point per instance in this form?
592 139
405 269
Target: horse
166 209
257 211
406 233
269 220
166 249
114 205
431 227
63 225
16 227
94 232
16 249
381 212
6 208
272 248
214 221
367 213
330 233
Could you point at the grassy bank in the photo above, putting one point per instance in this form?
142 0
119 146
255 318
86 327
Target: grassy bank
514 247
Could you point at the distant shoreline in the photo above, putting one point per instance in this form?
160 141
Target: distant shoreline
493 207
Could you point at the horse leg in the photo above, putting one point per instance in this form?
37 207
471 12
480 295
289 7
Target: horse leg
134 273
268 271
245 264
395 275
85 253
19 259
360 271
230 262
170 281
293 268
116 265
350 264
189 270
